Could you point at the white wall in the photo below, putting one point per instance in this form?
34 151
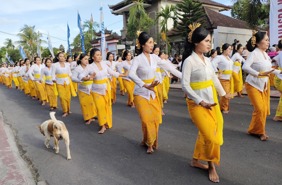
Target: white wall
223 35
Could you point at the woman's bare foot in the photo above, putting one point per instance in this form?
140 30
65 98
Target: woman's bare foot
212 173
102 130
196 164
163 112
165 101
65 114
150 150
88 122
277 118
132 106
225 112
122 93
43 103
264 137
52 108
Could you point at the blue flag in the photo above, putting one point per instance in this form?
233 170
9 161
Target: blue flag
22 53
69 49
9 59
81 32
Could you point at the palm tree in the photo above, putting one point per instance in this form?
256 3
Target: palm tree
138 19
29 39
166 13
90 26
9 44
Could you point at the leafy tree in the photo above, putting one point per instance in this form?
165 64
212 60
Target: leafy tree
9 44
255 12
29 39
138 19
167 13
188 12
14 54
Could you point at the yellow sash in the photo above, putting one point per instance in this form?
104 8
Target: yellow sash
229 72
64 75
102 81
37 75
86 83
48 78
219 118
149 81
268 93
158 70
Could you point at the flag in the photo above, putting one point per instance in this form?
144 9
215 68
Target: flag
275 23
81 32
50 46
69 49
22 53
103 39
38 47
91 27
9 59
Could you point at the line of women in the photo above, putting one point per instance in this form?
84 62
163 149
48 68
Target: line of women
143 79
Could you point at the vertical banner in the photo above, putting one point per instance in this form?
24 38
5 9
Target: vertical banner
275 21
22 53
68 33
81 32
103 39
38 46
50 46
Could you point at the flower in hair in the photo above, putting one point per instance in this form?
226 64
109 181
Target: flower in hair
192 28
253 39
138 46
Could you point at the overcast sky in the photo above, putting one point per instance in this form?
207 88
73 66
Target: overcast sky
53 15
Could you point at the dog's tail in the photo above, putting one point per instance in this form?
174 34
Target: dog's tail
52 115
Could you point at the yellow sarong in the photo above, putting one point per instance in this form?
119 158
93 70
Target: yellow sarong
210 136
261 103
238 78
151 117
103 104
87 105
51 95
64 75
32 88
114 89
166 86
129 86
278 86
228 86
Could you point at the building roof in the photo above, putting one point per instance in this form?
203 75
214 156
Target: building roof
216 19
123 3
111 37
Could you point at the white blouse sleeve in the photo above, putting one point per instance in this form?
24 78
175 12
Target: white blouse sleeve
247 65
132 73
169 67
112 72
30 72
74 76
87 71
186 87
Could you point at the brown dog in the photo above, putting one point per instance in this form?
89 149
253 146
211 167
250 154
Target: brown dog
58 130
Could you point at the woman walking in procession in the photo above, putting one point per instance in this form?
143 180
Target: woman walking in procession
200 83
143 73
258 66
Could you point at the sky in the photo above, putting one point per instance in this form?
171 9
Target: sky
52 16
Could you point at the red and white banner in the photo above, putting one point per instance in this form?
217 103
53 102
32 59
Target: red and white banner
275 21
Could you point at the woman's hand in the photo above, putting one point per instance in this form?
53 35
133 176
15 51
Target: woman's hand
228 96
152 85
266 73
207 105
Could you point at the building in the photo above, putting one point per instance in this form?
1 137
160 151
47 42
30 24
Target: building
112 42
224 29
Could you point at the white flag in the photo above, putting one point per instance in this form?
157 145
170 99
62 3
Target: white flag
275 21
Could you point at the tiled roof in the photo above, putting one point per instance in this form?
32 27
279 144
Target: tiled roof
216 19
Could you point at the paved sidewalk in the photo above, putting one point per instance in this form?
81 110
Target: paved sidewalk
273 93
13 169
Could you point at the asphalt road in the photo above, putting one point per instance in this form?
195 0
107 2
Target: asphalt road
117 158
